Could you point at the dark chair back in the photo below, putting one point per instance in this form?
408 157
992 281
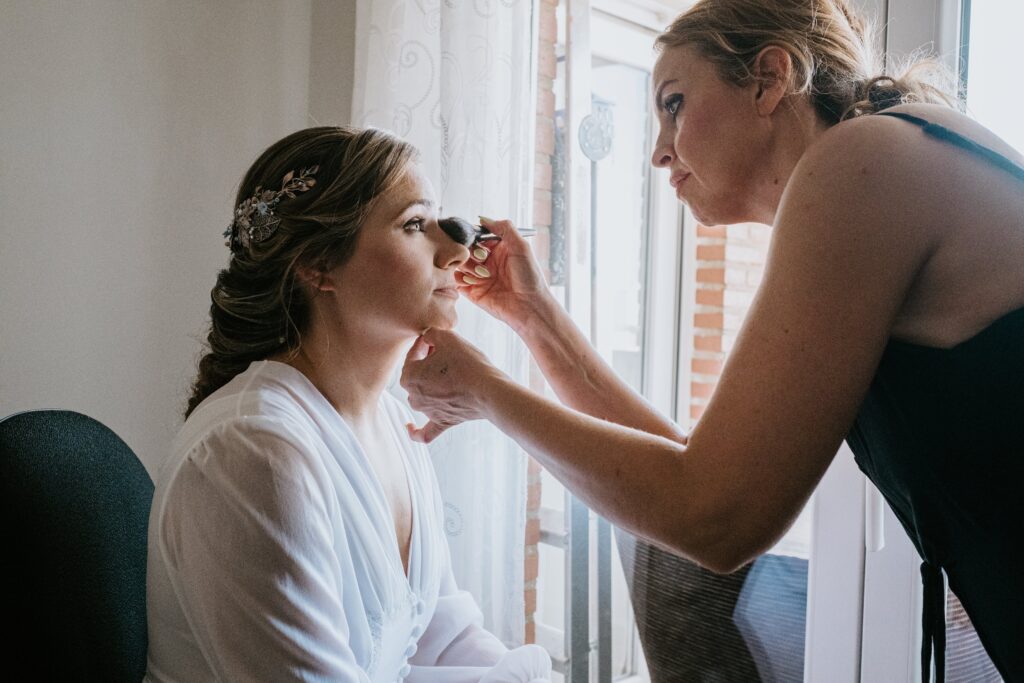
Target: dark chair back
75 503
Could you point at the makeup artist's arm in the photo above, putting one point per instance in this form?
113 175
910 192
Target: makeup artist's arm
517 294
788 393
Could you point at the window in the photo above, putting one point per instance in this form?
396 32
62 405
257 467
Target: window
614 258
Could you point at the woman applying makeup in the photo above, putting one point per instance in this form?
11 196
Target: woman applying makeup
891 314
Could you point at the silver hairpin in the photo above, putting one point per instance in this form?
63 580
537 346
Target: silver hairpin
255 220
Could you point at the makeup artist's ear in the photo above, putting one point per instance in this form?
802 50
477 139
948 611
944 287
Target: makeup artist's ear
773 69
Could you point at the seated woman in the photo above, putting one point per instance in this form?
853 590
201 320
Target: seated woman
296 533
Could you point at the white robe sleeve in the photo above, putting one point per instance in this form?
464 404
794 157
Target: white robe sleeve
455 648
247 531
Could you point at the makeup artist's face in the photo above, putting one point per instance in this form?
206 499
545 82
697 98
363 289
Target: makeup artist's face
400 279
710 137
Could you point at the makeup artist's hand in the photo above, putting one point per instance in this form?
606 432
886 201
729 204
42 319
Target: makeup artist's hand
511 283
447 379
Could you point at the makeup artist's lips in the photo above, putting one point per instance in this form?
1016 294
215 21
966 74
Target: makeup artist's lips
677 178
450 291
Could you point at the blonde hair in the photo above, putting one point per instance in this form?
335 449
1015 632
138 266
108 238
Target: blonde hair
834 60
257 307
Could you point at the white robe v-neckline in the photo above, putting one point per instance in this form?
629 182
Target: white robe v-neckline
371 473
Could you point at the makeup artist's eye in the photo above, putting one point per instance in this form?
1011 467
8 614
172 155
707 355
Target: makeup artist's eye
415 225
672 103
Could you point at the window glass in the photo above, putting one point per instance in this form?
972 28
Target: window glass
994 95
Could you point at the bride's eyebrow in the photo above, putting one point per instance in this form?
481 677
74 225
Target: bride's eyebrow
425 203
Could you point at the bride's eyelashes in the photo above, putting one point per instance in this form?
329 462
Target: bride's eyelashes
415 225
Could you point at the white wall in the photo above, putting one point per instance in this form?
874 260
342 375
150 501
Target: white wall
125 128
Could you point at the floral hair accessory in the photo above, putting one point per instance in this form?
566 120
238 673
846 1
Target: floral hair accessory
254 218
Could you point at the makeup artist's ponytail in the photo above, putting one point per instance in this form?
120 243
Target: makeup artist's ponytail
258 309
834 60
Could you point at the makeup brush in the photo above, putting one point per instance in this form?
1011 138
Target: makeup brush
465 233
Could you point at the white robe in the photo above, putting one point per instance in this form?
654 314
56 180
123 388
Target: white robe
273 554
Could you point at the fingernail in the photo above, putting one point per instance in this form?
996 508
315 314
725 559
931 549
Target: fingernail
482 271
485 219
480 254
470 280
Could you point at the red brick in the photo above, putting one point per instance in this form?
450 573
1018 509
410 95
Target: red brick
708 343
533 497
530 636
542 176
711 275
709 321
542 211
710 252
545 136
711 297
546 61
546 101
548 25
533 531
533 467
531 565
530 598
696 412
705 366
701 389
710 231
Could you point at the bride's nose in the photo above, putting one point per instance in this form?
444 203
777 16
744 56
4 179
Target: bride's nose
449 253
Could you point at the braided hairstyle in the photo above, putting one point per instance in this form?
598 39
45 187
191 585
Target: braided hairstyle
834 61
258 309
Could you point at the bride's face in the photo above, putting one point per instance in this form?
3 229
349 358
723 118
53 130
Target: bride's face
400 278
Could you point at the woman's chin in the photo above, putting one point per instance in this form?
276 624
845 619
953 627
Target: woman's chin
449 322
444 321
701 215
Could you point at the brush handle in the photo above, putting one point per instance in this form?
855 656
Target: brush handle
485 235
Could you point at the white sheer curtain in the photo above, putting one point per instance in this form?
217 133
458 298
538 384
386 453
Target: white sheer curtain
454 78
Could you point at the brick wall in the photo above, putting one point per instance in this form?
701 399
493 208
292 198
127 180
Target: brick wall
730 263
545 148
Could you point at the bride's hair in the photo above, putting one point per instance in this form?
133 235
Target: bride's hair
258 309
834 61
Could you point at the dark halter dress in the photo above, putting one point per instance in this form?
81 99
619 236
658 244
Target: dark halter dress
941 434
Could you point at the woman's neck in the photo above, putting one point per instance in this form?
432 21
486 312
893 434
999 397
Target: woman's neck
800 128
350 370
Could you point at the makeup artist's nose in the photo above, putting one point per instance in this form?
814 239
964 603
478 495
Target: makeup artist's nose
664 148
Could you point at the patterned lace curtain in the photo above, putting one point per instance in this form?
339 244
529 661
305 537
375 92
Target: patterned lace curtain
453 78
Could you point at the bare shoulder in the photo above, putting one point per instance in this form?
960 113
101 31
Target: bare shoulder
882 171
878 147
919 202
895 147
963 124
869 174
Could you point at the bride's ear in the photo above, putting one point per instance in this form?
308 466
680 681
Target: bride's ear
314 278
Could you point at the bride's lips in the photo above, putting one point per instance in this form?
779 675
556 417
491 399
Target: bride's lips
449 291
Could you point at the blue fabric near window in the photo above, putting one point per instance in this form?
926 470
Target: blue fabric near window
771 614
